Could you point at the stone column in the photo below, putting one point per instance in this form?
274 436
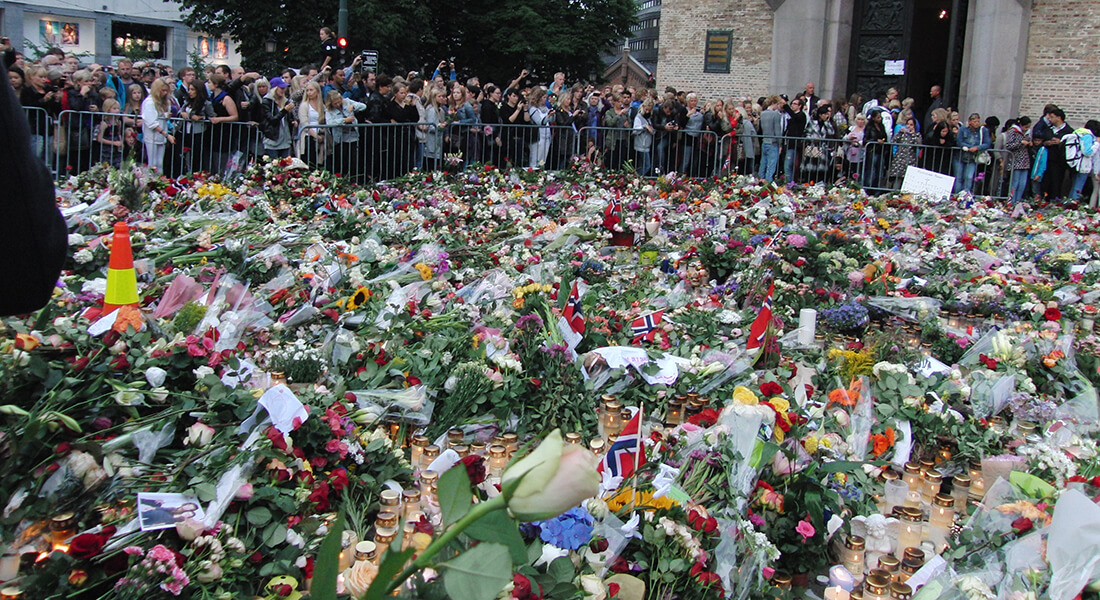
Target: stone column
811 41
994 57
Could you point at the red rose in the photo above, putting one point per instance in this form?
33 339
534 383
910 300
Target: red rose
1022 525
87 545
612 590
771 388
319 497
277 439
598 545
475 468
704 418
339 479
1053 314
308 569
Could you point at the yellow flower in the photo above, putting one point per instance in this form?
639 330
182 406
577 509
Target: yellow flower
547 288
644 500
425 271
358 298
743 395
810 444
780 404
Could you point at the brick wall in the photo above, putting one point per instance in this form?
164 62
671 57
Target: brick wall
684 25
1063 59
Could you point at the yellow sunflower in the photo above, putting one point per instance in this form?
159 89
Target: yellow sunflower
357 299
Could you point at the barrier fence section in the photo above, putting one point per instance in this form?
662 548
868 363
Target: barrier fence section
80 139
693 153
366 152
41 126
878 167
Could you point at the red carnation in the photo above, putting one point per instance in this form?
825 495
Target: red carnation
1053 314
1022 525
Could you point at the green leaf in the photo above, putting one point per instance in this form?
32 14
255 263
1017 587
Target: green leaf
274 535
259 515
327 566
455 497
561 570
205 492
478 574
497 526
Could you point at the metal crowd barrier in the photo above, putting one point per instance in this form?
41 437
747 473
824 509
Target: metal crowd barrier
551 147
41 125
81 139
222 148
676 151
878 167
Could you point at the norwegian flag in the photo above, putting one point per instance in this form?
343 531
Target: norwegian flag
572 312
760 325
645 327
626 454
612 214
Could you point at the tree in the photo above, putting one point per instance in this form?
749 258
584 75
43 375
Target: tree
493 39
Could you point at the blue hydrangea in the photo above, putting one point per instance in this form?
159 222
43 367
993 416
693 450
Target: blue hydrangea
571 530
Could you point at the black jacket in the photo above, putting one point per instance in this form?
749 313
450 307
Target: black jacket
33 236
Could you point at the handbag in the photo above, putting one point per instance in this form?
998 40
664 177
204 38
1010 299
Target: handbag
982 158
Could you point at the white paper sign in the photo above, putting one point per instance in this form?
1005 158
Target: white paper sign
893 67
282 406
927 183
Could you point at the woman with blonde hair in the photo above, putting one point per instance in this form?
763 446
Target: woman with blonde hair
540 115
345 140
311 113
435 115
155 127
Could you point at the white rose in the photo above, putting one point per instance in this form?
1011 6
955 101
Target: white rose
155 376
203 371
128 397
199 435
158 394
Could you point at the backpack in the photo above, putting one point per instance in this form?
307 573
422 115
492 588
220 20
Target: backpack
1078 144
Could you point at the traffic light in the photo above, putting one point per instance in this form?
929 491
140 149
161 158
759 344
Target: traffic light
342 42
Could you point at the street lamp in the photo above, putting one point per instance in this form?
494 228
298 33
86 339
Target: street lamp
270 45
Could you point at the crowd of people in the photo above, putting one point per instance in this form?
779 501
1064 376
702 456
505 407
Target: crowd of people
215 119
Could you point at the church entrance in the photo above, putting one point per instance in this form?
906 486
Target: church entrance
908 45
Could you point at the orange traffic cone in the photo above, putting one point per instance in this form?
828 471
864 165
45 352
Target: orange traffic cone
121 277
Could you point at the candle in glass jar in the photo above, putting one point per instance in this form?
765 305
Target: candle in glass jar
876 588
365 551
896 491
573 438
930 487
960 491
498 459
854 548
940 520
909 531
912 476
674 415
914 554
348 540
900 591
977 484
890 565
410 499
836 593
416 450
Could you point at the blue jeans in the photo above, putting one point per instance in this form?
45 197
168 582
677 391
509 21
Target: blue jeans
1017 185
788 164
769 160
1078 185
662 155
964 176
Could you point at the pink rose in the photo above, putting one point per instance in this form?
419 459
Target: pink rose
805 529
244 492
